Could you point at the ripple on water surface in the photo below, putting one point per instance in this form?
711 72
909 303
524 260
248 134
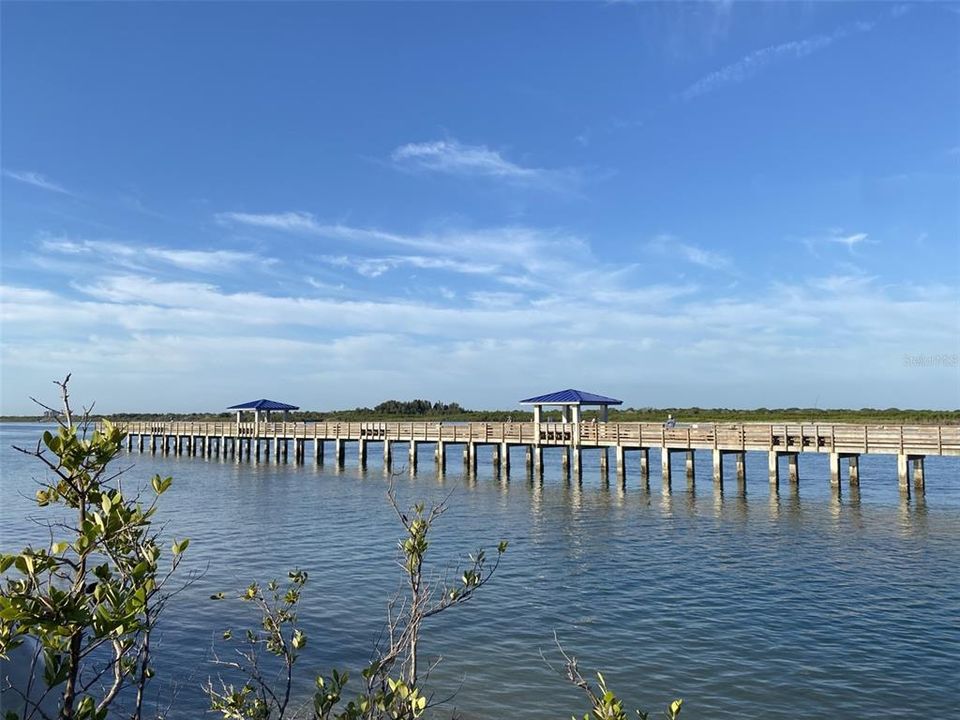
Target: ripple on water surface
747 603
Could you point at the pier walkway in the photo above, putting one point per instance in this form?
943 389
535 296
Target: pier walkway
259 441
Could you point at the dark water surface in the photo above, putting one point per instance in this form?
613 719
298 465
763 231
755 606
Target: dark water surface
746 604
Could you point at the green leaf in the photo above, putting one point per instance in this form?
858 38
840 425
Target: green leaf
180 547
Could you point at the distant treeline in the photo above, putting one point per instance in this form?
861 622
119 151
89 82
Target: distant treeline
427 410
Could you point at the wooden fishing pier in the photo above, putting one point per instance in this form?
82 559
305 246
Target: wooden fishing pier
842 443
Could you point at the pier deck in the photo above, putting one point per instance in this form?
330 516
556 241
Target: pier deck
842 442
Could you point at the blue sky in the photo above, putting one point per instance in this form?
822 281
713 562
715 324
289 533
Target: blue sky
713 204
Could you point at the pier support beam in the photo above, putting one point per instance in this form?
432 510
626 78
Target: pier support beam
538 460
472 459
666 469
387 454
412 459
903 471
505 459
604 461
718 467
853 469
495 457
741 467
644 464
528 459
691 467
338 451
621 456
441 455
834 462
565 461
773 467
362 453
577 464
318 451
793 470
918 479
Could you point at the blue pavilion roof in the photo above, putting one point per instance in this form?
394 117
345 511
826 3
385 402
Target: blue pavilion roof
263 405
564 397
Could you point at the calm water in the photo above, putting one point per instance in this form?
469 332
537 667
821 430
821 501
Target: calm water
746 604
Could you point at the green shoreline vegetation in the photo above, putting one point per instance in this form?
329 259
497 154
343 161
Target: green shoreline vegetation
425 410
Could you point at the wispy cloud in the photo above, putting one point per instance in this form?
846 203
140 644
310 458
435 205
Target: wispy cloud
666 244
825 328
290 221
135 256
850 240
37 180
455 158
837 236
451 157
752 63
376 266
530 257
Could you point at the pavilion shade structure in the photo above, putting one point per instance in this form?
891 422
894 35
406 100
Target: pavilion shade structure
570 402
571 397
262 406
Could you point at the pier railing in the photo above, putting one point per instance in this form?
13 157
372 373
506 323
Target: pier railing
787 438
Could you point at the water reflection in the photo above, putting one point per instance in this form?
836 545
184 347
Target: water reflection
744 599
